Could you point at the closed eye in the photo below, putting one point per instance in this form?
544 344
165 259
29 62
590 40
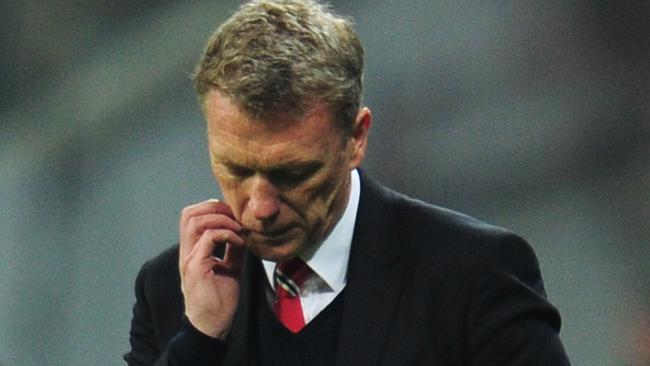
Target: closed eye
293 175
239 171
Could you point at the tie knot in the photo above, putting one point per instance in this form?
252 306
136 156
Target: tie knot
291 275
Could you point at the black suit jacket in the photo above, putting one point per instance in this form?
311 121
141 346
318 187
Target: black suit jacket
425 286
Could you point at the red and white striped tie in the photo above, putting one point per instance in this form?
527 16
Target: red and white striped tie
289 278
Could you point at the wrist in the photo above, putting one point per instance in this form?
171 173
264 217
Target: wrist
212 328
191 346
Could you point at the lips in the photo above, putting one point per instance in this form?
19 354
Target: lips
272 234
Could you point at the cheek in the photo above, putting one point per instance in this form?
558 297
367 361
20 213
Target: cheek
321 195
328 186
231 195
323 192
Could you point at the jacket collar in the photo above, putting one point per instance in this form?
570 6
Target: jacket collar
374 278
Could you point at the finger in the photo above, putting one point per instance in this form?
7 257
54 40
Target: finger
212 205
234 257
200 258
212 237
188 237
222 269
198 224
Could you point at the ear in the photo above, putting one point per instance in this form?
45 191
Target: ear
359 137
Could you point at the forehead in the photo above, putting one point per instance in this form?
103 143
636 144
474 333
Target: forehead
234 135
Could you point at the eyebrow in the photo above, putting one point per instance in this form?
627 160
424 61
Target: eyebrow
284 165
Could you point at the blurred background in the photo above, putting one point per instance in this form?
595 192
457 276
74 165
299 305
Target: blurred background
533 115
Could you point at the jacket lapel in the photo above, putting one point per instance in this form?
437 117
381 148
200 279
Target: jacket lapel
375 274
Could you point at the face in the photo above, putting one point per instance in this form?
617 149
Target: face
287 180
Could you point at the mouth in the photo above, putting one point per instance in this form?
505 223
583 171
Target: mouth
277 235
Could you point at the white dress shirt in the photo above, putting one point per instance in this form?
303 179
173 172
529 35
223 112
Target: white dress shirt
328 261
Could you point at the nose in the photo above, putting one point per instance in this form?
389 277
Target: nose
263 201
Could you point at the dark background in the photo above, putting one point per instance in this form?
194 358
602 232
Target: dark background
533 115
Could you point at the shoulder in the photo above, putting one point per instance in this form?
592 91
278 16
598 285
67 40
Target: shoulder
410 216
159 276
158 311
428 232
165 259
438 244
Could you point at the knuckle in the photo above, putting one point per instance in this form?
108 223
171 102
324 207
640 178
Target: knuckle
185 212
184 263
191 224
219 234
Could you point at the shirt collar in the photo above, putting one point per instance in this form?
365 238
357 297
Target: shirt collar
330 259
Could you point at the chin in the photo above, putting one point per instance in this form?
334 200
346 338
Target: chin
275 252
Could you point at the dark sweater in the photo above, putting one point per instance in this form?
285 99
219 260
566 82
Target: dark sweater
314 345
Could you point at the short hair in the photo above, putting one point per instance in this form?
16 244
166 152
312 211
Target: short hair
275 57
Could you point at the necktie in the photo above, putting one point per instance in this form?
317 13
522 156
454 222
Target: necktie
289 277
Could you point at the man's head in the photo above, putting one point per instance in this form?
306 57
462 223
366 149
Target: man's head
275 57
280 85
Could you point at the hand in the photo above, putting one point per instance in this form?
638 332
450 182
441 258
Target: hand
210 285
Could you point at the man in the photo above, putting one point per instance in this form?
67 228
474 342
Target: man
307 260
